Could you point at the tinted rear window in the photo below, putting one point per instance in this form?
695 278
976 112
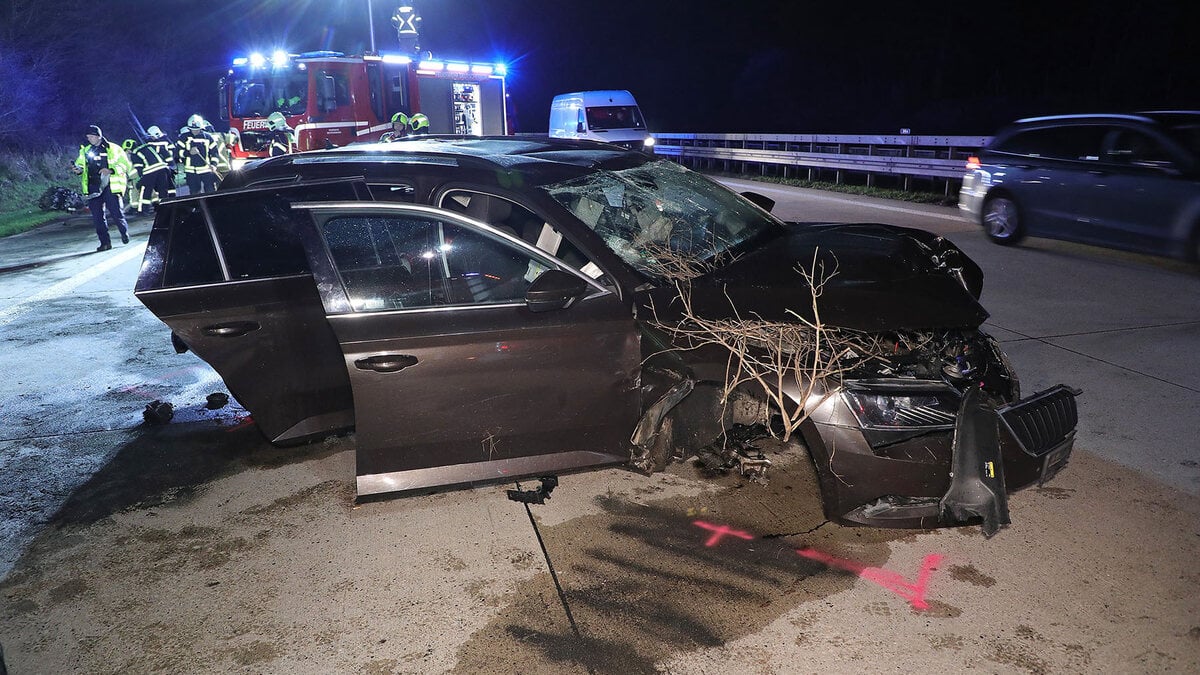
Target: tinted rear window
191 258
259 236
259 232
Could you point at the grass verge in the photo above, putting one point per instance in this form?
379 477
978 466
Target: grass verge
24 176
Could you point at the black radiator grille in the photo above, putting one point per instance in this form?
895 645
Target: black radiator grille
1044 420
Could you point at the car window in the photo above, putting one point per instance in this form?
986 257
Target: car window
1078 142
404 262
1128 146
258 236
258 231
1187 135
520 222
191 258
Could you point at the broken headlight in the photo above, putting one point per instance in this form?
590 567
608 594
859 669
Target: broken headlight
902 406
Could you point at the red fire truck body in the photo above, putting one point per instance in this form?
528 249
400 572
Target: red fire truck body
330 99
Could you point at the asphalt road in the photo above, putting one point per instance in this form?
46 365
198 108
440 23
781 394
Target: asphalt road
198 547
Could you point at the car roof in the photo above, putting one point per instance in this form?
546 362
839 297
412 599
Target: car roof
532 154
1167 117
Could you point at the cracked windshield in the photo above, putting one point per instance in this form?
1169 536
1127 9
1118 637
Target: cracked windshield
660 206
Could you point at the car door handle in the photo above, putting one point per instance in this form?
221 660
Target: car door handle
386 363
231 329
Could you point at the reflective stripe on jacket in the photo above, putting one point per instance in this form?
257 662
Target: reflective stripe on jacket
204 158
281 143
150 156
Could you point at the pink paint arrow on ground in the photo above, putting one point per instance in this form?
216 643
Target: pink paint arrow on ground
893 581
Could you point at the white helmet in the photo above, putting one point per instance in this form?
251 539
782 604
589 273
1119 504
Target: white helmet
154 132
276 121
196 122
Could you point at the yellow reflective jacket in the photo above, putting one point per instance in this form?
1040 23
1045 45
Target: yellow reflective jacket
116 160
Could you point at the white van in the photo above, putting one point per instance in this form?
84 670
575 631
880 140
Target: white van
611 116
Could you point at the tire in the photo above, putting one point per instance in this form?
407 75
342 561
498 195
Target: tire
1002 220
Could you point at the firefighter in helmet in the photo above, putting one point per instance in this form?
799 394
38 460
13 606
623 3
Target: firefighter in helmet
196 151
399 128
419 124
152 161
282 141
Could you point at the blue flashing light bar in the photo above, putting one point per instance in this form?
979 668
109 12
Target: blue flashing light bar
281 59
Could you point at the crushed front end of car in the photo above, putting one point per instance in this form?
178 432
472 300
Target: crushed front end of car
936 434
863 339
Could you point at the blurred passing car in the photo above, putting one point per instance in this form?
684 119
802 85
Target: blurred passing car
482 309
1125 181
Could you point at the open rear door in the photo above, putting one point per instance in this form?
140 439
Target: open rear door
228 274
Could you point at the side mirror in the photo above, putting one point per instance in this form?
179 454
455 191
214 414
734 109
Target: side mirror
761 201
554 290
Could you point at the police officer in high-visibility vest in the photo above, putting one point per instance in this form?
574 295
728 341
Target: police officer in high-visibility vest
105 170
151 161
282 142
399 128
196 152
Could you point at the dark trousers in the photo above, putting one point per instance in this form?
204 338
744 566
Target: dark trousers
201 182
154 182
113 203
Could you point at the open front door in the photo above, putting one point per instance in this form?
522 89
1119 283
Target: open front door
455 378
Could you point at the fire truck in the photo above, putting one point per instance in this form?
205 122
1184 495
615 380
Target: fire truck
330 99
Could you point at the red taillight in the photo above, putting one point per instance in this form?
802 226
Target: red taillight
972 163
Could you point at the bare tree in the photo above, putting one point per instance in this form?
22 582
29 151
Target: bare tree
801 360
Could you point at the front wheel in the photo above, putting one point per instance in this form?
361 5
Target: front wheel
1002 221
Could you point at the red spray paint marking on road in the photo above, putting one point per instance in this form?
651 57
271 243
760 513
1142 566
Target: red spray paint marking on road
719 531
913 592
894 582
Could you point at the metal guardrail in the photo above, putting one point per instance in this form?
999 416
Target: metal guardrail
902 155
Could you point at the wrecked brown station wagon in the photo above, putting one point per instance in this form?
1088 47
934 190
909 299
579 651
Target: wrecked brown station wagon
483 309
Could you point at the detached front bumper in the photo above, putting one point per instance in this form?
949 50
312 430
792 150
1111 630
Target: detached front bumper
948 478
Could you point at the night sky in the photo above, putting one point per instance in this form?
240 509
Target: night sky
799 66
748 66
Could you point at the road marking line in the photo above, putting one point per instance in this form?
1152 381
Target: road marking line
883 207
69 284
